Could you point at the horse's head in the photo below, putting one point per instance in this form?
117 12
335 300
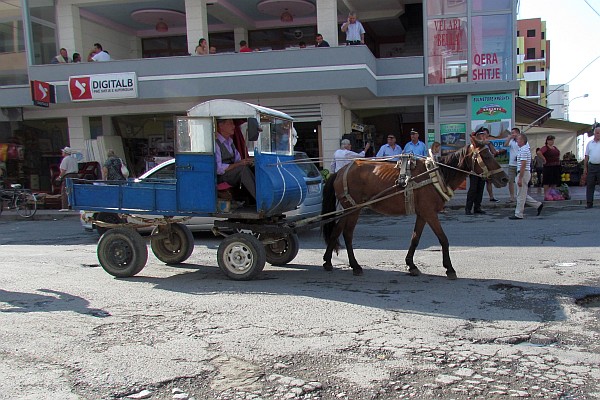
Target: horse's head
484 164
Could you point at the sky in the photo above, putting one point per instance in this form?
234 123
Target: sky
573 28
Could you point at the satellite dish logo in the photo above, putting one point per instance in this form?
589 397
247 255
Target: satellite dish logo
80 88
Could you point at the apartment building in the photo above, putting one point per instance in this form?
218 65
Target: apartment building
533 60
442 67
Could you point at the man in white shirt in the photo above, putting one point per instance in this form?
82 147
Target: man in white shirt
511 142
591 167
523 178
355 32
343 156
98 54
68 169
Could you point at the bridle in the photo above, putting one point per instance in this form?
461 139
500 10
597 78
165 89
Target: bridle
477 159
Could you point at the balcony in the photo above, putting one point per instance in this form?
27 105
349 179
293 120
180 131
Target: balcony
349 71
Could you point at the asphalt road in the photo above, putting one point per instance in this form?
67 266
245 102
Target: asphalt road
521 320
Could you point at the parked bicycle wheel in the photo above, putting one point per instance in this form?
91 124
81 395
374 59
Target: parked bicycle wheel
26 204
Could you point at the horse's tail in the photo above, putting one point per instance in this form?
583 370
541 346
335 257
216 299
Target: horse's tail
329 206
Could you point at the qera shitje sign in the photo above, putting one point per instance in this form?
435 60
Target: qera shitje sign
103 87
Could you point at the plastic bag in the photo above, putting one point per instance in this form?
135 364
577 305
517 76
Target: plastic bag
124 170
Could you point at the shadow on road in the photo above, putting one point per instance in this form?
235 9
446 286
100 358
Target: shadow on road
20 302
469 299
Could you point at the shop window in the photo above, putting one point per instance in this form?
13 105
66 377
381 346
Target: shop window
446 7
447 50
491 48
164 47
496 5
453 106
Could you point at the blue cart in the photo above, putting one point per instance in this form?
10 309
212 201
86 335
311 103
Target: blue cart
261 231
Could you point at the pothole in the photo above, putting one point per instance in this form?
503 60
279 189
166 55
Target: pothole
589 301
506 286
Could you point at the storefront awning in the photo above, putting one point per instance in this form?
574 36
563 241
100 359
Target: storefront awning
527 112
561 124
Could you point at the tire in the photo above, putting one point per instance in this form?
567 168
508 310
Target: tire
241 256
26 205
174 249
283 251
110 218
122 252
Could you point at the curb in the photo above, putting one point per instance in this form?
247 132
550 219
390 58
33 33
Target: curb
40 215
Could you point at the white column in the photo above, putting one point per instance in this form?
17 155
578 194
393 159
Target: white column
68 23
196 22
327 21
332 129
239 34
79 132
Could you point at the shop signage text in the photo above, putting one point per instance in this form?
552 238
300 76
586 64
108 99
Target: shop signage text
103 87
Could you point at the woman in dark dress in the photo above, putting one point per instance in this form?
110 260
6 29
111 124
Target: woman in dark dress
550 155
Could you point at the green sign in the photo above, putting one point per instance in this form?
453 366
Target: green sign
492 107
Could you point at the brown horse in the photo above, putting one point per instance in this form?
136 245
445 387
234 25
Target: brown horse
417 186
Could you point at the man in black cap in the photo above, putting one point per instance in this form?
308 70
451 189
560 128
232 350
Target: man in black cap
476 184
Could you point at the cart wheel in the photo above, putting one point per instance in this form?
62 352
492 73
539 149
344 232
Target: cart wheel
122 252
283 251
174 245
110 218
26 205
241 256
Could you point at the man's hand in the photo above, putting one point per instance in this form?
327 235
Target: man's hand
367 146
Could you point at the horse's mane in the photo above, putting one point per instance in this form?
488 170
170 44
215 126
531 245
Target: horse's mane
453 159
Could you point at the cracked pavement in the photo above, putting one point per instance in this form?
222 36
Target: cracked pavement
521 320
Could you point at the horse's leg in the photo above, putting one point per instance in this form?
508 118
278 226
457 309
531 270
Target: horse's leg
351 221
332 243
436 227
414 242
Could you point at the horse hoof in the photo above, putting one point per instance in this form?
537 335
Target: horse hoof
452 276
357 272
328 267
414 272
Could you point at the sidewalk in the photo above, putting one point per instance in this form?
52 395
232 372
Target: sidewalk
456 203
577 198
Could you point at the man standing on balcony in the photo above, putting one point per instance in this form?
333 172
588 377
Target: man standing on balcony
355 33
98 54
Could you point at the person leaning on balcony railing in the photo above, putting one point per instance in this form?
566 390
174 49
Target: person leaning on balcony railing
202 48
355 32
98 54
320 41
62 58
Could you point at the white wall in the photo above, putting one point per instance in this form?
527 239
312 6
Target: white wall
119 45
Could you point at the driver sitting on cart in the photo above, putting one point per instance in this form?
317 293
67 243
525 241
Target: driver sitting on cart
231 168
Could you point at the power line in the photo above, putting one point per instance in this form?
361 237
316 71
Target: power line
586 2
579 73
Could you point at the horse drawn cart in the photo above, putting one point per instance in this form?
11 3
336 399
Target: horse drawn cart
261 232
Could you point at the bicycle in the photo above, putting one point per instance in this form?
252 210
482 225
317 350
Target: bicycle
22 200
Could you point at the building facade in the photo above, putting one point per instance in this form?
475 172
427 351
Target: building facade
442 67
533 60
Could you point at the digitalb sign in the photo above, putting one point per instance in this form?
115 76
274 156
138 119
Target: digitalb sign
103 87
42 93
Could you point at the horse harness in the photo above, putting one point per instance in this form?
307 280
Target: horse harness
408 182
